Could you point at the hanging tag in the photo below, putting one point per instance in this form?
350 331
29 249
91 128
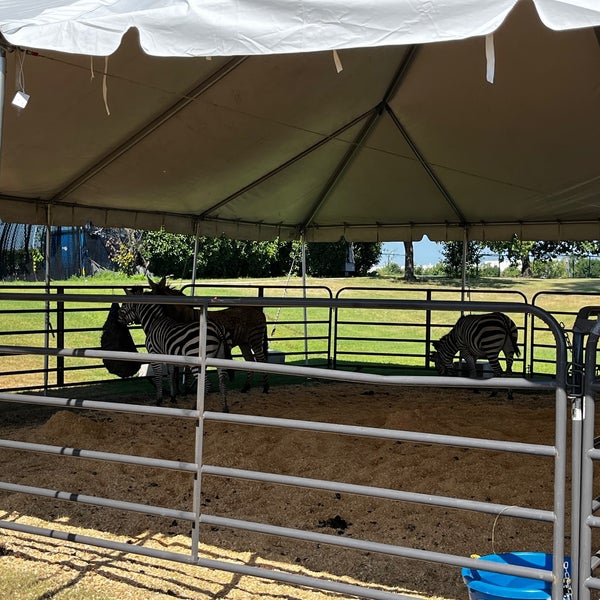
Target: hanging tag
337 61
490 57
21 97
20 100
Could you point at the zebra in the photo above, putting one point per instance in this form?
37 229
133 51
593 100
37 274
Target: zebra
247 326
478 336
165 335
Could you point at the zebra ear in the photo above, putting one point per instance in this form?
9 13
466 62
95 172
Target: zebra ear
133 291
435 344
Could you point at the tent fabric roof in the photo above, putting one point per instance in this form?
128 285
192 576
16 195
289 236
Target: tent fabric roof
267 139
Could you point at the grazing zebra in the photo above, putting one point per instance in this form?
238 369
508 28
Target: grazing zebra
478 336
165 335
247 326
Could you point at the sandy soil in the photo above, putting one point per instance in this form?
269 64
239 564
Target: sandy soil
488 476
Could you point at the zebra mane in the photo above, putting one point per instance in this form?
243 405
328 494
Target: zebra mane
161 288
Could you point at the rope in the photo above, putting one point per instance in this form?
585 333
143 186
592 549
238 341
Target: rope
287 281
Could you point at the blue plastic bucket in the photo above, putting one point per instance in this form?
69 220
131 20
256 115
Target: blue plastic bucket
485 585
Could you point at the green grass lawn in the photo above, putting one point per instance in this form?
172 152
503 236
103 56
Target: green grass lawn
362 334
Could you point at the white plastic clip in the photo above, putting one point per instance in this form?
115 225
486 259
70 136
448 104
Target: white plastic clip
337 61
490 57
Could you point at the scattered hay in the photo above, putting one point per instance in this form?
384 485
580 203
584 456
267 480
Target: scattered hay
424 468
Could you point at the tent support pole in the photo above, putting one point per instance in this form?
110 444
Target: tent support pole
195 261
2 89
303 247
463 283
47 324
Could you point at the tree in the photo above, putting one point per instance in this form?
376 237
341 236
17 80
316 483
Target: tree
452 258
409 262
125 248
328 259
168 254
522 253
517 252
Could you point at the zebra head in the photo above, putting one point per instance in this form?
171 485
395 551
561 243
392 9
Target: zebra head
443 356
129 312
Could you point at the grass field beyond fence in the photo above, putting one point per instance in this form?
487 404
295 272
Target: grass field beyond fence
388 339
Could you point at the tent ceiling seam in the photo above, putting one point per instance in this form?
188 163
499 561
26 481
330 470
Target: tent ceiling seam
427 167
284 165
150 127
361 136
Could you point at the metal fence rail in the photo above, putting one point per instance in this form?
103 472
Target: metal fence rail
586 454
411 338
556 449
316 336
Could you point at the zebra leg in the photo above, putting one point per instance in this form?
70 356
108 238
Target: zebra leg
471 366
248 357
498 372
261 355
157 380
509 362
222 373
172 374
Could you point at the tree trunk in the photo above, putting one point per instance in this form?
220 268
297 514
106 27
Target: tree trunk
526 267
409 262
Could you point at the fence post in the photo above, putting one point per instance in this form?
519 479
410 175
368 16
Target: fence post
60 338
427 331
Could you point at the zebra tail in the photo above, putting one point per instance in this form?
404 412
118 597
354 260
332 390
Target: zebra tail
513 343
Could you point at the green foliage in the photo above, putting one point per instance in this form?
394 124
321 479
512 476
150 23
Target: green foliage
392 270
168 253
487 270
511 271
526 253
438 270
37 258
585 267
218 258
550 269
452 253
328 259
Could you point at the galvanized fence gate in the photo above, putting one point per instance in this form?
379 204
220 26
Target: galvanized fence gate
586 454
554 449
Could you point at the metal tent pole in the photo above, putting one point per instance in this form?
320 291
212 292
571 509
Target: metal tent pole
47 303
2 88
303 246
195 261
463 283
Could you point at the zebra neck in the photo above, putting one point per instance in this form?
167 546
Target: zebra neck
149 314
450 344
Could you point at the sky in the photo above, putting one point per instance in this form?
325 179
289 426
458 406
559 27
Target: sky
426 252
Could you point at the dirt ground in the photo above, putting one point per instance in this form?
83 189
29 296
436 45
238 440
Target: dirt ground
424 468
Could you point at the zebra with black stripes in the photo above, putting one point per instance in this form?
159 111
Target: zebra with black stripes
478 336
165 335
247 326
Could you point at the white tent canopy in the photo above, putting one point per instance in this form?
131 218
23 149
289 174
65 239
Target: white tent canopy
270 138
